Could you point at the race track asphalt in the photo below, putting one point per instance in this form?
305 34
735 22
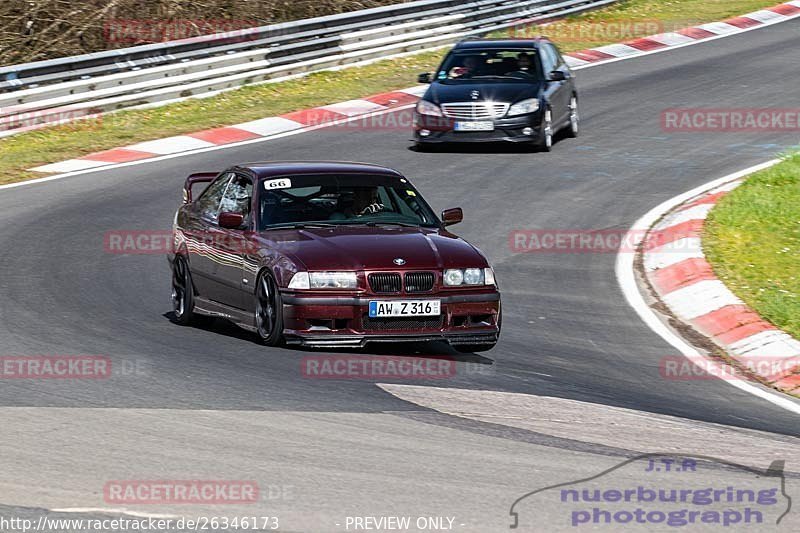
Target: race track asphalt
567 331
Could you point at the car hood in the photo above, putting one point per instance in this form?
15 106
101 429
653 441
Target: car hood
443 93
369 248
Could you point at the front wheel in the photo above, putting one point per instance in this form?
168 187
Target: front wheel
545 143
182 292
574 117
269 311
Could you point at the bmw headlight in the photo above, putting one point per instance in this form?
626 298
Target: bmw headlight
300 281
333 280
455 277
425 107
324 280
531 105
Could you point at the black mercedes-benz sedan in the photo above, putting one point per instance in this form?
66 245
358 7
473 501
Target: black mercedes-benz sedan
498 90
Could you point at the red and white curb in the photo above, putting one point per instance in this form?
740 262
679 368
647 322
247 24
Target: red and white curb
772 15
678 271
310 119
266 127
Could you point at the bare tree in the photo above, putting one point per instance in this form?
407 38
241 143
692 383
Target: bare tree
32 30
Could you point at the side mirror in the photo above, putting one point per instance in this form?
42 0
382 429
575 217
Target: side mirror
557 75
203 177
231 220
425 77
452 216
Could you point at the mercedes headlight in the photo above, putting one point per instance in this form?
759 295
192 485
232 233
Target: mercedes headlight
425 107
524 107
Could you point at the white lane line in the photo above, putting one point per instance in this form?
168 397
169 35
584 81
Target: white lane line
672 39
170 145
626 277
770 343
269 126
418 90
697 212
673 253
352 108
699 299
70 165
103 510
766 16
720 28
574 62
617 50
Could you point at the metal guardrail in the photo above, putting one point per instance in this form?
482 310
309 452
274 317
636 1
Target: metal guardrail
76 86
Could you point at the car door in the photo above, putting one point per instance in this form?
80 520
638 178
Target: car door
231 244
199 231
559 91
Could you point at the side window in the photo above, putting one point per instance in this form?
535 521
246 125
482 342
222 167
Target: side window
208 203
548 59
238 196
557 55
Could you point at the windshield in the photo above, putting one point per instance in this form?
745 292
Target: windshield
501 65
340 201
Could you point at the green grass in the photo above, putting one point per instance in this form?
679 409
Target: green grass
752 239
21 152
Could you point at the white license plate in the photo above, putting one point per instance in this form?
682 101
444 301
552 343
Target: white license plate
391 308
475 126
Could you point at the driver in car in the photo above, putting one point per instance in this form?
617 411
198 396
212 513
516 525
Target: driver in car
471 64
524 66
364 201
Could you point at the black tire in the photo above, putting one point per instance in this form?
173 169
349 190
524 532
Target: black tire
545 142
573 129
182 292
269 311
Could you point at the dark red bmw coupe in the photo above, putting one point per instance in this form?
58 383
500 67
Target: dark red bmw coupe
329 255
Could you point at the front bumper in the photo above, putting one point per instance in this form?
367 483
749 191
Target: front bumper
442 130
340 321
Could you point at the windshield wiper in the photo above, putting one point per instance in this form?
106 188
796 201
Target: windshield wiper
381 223
374 223
301 225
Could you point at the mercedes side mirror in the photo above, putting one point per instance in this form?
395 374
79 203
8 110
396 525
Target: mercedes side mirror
557 75
425 77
